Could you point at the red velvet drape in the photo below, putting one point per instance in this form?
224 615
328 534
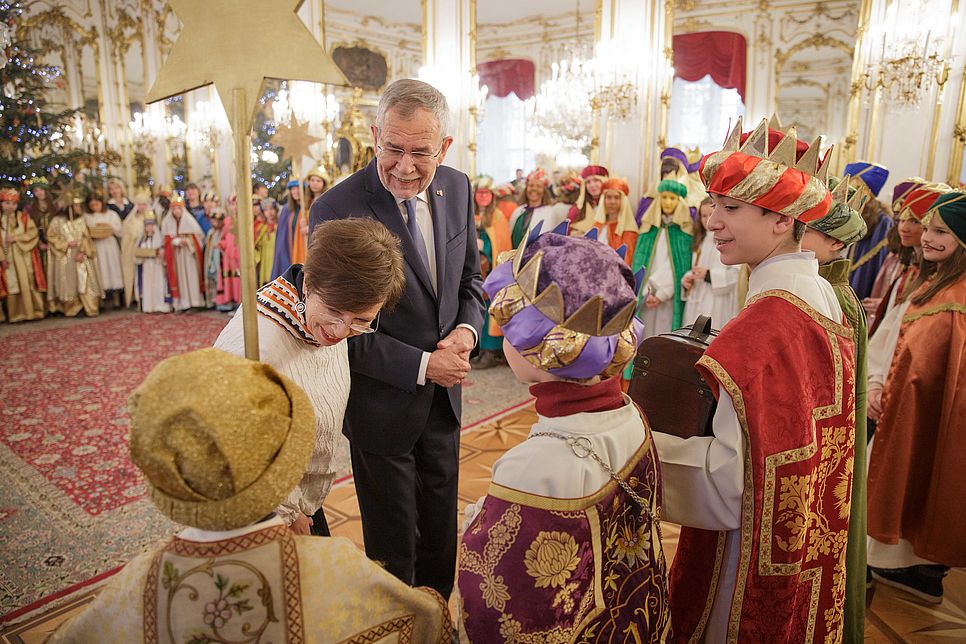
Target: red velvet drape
508 75
722 54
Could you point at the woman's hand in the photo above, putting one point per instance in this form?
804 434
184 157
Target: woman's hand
687 281
871 305
699 272
874 402
302 525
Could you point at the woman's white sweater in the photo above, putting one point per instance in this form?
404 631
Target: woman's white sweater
323 372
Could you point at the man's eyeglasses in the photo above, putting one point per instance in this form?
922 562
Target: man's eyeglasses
395 154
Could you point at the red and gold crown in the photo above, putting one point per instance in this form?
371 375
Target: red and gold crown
538 176
594 171
921 199
503 190
9 194
571 182
772 170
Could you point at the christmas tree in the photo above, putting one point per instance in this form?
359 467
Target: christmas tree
268 164
34 142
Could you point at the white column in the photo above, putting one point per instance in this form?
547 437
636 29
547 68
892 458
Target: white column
640 32
110 93
449 65
151 42
909 140
760 86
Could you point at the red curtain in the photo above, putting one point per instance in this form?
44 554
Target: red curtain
508 75
722 54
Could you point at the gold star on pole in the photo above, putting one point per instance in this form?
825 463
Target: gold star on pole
295 140
236 44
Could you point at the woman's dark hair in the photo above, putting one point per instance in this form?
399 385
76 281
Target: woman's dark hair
699 230
189 187
935 276
545 200
354 264
94 196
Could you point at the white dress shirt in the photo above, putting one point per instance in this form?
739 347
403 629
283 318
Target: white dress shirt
424 219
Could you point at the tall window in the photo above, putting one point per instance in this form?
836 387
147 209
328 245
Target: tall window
701 113
502 139
708 89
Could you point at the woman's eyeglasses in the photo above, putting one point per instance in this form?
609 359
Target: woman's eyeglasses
354 329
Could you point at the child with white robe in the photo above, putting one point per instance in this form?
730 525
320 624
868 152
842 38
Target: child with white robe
105 229
709 288
151 284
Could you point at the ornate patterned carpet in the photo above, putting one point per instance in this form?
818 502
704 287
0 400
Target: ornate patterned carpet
66 522
891 616
72 506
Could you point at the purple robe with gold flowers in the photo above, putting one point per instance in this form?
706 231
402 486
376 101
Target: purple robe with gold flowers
591 569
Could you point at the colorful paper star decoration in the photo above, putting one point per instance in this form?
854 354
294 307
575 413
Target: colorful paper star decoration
294 138
237 44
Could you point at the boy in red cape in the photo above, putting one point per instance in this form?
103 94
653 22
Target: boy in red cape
765 500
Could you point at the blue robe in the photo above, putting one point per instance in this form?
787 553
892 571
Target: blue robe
199 214
864 273
287 220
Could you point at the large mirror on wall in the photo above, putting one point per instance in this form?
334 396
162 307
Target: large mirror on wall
134 75
89 80
812 88
374 43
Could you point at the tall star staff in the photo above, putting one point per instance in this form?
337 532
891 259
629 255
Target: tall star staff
218 45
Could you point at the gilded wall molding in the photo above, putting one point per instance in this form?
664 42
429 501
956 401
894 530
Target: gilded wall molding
958 146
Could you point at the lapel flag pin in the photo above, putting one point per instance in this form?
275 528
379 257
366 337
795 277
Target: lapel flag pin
439 193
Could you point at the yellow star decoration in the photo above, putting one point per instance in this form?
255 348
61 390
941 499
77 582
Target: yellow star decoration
295 140
237 44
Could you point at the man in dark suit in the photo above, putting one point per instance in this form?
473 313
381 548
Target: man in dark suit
403 416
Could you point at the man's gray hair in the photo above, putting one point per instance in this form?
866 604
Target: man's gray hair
407 95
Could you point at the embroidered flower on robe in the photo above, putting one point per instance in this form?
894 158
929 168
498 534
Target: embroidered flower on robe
551 559
632 545
217 613
843 490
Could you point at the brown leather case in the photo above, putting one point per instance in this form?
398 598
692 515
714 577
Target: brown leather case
665 384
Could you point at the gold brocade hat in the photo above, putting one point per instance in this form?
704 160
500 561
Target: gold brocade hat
319 171
221 440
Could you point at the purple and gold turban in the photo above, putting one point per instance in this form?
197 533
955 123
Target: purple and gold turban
567 304
902 190
772 170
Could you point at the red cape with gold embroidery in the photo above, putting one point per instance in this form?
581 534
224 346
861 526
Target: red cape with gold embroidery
790 373
916 478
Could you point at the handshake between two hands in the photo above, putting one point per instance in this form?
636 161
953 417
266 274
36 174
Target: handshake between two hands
450 362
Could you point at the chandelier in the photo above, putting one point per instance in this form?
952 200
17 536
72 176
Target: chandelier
562 109
207 124
615 80
461 89
152 126
305 102
909 37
